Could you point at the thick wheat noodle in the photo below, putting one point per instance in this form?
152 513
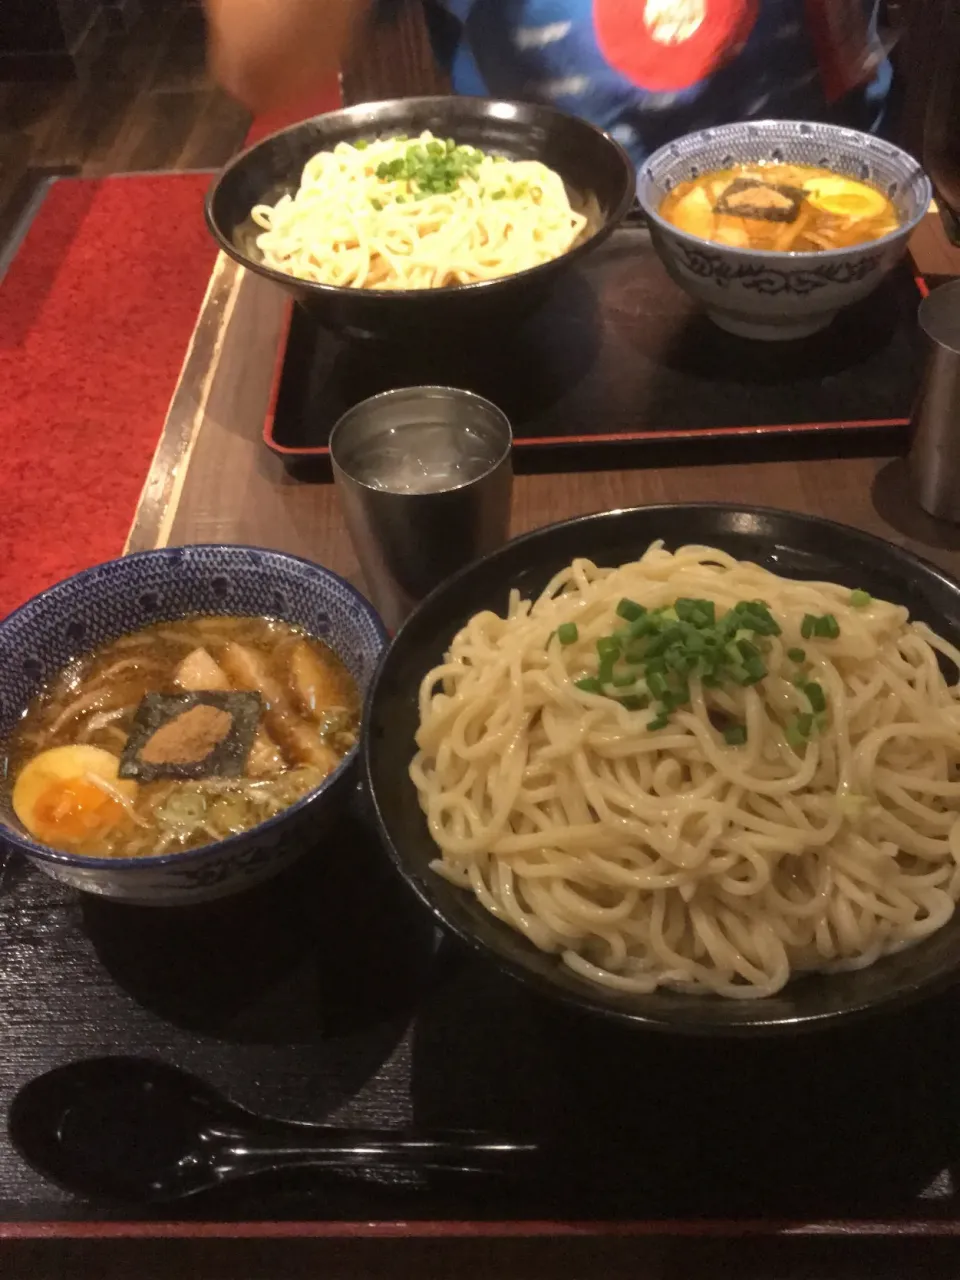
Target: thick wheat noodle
345 226
668 857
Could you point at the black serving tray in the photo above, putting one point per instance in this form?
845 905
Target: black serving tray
325 994
620 367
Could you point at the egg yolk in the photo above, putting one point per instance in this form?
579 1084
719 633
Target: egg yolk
845 198
74 810
71 798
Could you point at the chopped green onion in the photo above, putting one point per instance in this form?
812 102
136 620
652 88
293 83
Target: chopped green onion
589 684
377 204
634 702
797 655
567 633
756 669
498 195
799 729
624 679
808 625
816 696
608 647
656 683
860 599
658 722
361 144
629 610
735 735
827 627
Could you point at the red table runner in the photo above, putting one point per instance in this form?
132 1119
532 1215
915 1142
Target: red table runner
96 313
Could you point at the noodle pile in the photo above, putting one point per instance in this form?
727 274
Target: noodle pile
392 214
801 811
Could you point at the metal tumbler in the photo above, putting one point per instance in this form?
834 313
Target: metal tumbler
934 459
424 479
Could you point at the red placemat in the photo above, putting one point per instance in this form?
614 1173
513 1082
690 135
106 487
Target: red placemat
96 313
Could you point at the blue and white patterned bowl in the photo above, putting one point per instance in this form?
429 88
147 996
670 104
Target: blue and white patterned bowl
112 599
759 293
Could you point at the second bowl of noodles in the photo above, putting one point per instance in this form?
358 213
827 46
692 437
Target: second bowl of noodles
691 767
402 219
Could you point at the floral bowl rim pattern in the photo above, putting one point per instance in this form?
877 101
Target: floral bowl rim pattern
25 845
738 131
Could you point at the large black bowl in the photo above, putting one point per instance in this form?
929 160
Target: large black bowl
793 545
597 171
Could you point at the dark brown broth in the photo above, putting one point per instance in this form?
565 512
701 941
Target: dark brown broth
298 744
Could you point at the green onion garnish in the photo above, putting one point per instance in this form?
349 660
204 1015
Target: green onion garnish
735 735
629 610
656 654
799 729
658 722
567 633
807 625
634 702
815 696
860 599
827 627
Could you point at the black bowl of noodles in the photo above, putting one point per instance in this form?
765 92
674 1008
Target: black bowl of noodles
597 173
804 550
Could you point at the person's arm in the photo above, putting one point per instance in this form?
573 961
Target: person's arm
269 53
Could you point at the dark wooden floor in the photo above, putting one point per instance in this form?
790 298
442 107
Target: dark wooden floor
146 104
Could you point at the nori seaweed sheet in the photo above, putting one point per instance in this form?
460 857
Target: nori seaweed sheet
786 213
226 759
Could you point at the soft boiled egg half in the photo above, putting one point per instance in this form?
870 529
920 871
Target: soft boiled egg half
70 798
844 196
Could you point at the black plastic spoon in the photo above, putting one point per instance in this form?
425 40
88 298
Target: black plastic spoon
139 1130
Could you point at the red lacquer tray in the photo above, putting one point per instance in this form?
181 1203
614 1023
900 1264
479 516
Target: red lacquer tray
620 367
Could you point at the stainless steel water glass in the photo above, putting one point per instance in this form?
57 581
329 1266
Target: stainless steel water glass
424 479
934 459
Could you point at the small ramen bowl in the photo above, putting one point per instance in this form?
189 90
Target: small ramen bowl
758 293
110 600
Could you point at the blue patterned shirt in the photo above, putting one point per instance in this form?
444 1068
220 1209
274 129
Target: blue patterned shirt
579 56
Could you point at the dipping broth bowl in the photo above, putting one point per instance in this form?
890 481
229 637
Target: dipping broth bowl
110 600
758 293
